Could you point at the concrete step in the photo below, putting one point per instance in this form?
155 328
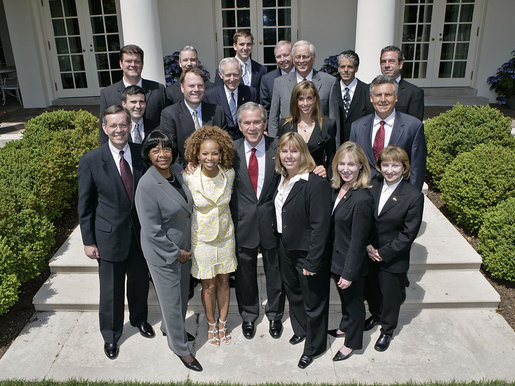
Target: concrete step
452 100
431 289
449 91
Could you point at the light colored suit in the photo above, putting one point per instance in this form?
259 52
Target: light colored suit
283 86
165 230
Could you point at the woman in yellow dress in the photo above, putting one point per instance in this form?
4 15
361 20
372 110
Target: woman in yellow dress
212 229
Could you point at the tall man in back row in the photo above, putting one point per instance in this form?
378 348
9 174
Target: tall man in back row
131 63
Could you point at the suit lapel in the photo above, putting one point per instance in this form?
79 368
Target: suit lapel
111 170
186 119
366 131
395 198
316 80
207 113
397 130
222 97
297 187
269 167
171 192
147 89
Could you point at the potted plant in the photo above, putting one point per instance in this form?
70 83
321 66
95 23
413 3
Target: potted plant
503 82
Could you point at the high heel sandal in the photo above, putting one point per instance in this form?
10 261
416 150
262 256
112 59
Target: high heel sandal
214 341
222 329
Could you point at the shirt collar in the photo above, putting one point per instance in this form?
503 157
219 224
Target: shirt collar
115 150
309 77
390 188
260 147
128 84
398 79
351 86
388 120
191 110
228 93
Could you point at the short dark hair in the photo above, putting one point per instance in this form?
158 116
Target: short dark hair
384 79
194 70
132 90
351 55
153 139
131 49
400 56
242 33
114 109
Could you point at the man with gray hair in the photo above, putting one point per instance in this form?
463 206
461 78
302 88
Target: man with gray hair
188 58
231 94
303 53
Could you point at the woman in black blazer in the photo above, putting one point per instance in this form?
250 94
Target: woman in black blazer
306 119
352 218
303 220
398 208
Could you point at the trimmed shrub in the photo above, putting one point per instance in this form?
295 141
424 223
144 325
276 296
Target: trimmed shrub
9 283
497 240
476 181
459 130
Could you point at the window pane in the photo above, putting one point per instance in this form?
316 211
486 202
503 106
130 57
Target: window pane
100 43
459 69
116 76
445 70
464 32
425 13
102 63
284 34
61 45
269 36
449 32
408 33
422 69
462 51
72 25
243 18
77 63
67 80
97 25
410 13
80 80
69 8
114 60
75 45
268 3
451 13
284 16
284 3
423 49
95 8
55 8
447 51
109 7
111 24
104 79
269 18
409 51
229 19
243 3
426 31
227 3
269 54
228 52
407 70
64 63
59 29
113 42
466 13
228 34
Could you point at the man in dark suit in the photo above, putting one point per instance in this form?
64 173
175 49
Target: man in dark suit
303 53
390 127
133 100
231 94
252 71
282 52
349 98
131 63
252 208
188 58
411 97
108 177
183 118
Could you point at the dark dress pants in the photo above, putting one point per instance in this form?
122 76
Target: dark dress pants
112 292
308 298
384 296
247 293
353 312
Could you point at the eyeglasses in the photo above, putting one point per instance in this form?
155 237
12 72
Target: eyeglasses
120 126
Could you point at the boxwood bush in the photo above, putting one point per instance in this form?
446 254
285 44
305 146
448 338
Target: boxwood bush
459 130
497 240
478 180
38 181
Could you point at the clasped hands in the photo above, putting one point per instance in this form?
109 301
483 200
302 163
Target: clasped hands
373 253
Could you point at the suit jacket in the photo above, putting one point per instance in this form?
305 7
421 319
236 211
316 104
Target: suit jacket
266 88
155 96
306 220
165 217
397 226
177 121
321 144
359 107
352 221
107 217
408 133
283 86
216 96
253 218
257 71
174 94
411 100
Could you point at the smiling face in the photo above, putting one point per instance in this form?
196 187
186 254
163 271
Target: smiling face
349 168
283 57
193 89
209 157
135 104
188 59
390 64
383 99
117 129
161 157
243 48
252 126
290 159
231 75
303 60
306 103
131 65
392 171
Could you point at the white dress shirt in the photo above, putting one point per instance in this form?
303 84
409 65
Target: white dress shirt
309 77
198 110
260 155
351 87
140 83
386 192
116 155
388 127
282 195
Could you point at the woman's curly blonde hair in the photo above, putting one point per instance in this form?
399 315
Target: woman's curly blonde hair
214 133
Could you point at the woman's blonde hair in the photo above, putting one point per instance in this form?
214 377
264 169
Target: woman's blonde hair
355 152
396 154
294 140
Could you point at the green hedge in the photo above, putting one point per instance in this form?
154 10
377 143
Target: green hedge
38 181
497 240
459 130
476 181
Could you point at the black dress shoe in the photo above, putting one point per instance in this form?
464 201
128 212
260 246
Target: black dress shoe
305 361
369 323
383 342
111 350
276 329
341 356
191 362
146 330
335 333
249 329
191 338
295 339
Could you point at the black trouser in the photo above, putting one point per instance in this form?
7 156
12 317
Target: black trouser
247 292
353 312
112 293
308 298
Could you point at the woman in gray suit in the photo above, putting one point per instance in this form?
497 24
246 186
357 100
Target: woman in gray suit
164 206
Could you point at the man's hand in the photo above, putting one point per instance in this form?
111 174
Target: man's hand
373 253
320 171
91 251
184 256
343 283
190 168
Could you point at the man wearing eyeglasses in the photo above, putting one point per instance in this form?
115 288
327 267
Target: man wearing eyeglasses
108 177
303 53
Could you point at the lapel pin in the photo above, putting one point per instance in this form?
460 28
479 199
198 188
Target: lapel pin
395 199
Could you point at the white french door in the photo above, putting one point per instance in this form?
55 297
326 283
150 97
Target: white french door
439 41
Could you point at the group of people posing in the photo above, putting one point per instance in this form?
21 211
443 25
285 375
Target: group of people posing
203 185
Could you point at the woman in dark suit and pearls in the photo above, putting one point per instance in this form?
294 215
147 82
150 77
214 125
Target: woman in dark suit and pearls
398 208
352 218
